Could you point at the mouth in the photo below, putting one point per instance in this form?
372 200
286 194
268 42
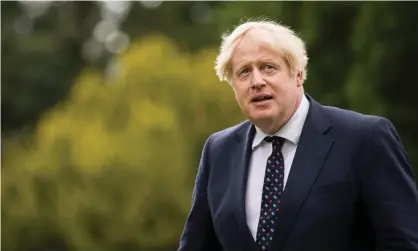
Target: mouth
261 98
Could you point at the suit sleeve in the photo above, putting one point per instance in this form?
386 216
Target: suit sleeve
389 189
198 233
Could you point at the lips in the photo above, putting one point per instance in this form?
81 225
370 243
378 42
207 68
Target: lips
261 98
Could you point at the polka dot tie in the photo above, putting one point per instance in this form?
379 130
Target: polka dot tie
272 190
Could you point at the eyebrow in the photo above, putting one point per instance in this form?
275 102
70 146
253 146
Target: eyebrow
262 61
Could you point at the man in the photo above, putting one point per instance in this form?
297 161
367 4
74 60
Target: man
297 176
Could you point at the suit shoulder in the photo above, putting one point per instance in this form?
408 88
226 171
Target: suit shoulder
229 133
354 120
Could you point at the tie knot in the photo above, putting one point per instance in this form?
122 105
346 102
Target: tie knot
275 140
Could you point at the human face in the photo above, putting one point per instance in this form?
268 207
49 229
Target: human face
265 88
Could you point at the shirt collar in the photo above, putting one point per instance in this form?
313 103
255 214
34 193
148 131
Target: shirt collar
292 130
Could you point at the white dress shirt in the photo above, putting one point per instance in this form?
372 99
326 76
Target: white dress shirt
291 131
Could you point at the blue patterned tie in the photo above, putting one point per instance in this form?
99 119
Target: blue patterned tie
272 190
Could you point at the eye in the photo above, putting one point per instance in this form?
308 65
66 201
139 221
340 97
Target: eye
268 68
244 71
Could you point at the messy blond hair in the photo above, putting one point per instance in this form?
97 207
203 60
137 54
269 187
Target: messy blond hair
278 37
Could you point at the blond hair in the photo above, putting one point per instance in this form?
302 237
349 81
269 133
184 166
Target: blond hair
278 37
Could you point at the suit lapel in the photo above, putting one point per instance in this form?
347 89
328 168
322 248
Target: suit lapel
311 153
241 156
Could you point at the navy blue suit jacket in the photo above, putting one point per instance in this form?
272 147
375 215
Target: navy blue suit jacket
351 188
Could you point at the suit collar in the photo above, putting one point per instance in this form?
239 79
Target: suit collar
317 116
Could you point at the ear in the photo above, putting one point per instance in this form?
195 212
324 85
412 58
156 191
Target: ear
299 78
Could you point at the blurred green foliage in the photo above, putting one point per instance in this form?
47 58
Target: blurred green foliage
111 167
109 160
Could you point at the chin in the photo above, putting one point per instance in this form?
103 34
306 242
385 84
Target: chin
261 116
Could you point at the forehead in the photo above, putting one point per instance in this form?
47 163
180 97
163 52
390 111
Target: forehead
251 50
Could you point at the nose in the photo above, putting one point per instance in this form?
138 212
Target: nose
257 80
